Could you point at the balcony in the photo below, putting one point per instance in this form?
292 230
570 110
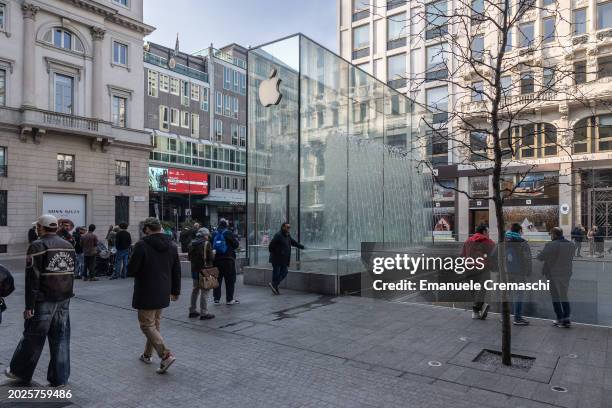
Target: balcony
178 68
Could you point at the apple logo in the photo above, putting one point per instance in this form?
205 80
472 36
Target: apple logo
269 93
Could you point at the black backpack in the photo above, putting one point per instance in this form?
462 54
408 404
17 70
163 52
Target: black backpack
7 283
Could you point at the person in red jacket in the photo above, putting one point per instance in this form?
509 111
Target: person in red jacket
480 245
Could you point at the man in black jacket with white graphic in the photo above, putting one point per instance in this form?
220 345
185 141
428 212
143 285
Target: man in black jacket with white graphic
280 255
49 282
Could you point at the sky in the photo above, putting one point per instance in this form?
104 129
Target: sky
245 22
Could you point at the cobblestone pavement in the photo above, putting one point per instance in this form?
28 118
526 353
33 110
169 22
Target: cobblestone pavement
303 350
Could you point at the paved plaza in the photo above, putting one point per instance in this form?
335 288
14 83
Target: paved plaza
303 350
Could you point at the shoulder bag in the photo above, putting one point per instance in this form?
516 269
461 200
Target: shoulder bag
209 275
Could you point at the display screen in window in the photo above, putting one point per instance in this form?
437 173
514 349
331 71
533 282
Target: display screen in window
533 219
443 190
479 187
537 185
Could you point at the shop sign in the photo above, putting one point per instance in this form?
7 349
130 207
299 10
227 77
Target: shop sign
66 206
178 181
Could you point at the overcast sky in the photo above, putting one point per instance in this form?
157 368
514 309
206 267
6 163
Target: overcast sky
246 22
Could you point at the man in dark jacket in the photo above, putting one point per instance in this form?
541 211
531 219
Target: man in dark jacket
557 256
599 239
225 261
157 280
578 237
480 245
123 243
280 255
32 236
89 243
518 266
200 256
79 271
48 288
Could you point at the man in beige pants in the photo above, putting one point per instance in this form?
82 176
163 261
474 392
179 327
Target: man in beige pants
157 280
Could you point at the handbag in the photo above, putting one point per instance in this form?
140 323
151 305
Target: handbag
209 278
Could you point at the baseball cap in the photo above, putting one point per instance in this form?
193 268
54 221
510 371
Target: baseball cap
46 220
152 222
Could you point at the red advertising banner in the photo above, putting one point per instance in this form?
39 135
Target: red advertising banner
185 181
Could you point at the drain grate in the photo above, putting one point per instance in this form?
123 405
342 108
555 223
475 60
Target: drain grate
493 359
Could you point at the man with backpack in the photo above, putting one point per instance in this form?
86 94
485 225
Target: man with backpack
518 267
7 286
280 255
480 245
49 280
225 247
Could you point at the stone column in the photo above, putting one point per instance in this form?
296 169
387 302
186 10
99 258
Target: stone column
97 89
29 54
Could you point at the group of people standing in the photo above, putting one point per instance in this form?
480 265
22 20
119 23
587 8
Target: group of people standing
595 237
557 257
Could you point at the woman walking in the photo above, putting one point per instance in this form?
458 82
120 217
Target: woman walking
200 256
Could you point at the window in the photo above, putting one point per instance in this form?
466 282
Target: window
219 129
580 76
506 85
3 162
579 20
226 182
527 83
174 86
437 100
361 9
396 71
548 79
120 53
65 167
548 2
152 83
243 184
64 94
234 131
219 104
227 78
122 173
122 209
509 42
175 117
227 103
124 3
164 83
195 92
119 111
396 31
204 104
236 81
604 15
477 10
3 213
548 29
185 93
234 183
61 38
604 67
361 41
163 118
2 87
195 125
236 108
218 182
437 146
478 48
526 35
436 16
437 59
2 17
477 91
478 146
242 130
242 84
185 119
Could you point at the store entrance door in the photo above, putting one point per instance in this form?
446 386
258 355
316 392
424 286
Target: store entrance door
478 217
601 209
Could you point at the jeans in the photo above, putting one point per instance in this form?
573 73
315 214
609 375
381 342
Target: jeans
203 293
149 321
51 320
227 272
518 304
558 293
578 248
121 263
80 259
89 269
279 273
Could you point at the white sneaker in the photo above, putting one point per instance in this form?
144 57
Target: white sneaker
166 363
233 302
145 359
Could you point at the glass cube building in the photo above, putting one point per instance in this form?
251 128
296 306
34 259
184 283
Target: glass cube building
339 157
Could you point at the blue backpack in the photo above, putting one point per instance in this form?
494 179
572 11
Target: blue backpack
219 243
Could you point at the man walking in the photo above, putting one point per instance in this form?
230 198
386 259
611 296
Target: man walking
123 242
48 288
280 255
557 256
480 245
578 237
225 247
89 243
518 266
157 280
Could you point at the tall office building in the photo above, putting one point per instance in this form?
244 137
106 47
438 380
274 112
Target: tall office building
195 107
71 118
568 141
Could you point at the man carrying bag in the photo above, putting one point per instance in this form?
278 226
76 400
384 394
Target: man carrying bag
204 275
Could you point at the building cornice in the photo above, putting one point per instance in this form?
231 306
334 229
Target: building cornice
112 15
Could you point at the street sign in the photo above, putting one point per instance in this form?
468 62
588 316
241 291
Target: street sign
188 212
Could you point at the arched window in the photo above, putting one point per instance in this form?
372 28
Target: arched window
530 141
592 135
61 38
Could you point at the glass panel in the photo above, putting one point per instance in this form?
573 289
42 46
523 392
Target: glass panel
579 23
604 15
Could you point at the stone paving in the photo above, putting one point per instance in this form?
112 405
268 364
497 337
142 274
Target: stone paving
303 350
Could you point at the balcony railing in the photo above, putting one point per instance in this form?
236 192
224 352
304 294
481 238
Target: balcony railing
70 121
178 68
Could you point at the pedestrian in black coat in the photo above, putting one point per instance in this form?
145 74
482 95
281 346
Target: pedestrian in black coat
280 255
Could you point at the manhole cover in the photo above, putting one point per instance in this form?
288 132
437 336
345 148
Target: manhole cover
434 363
557 388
